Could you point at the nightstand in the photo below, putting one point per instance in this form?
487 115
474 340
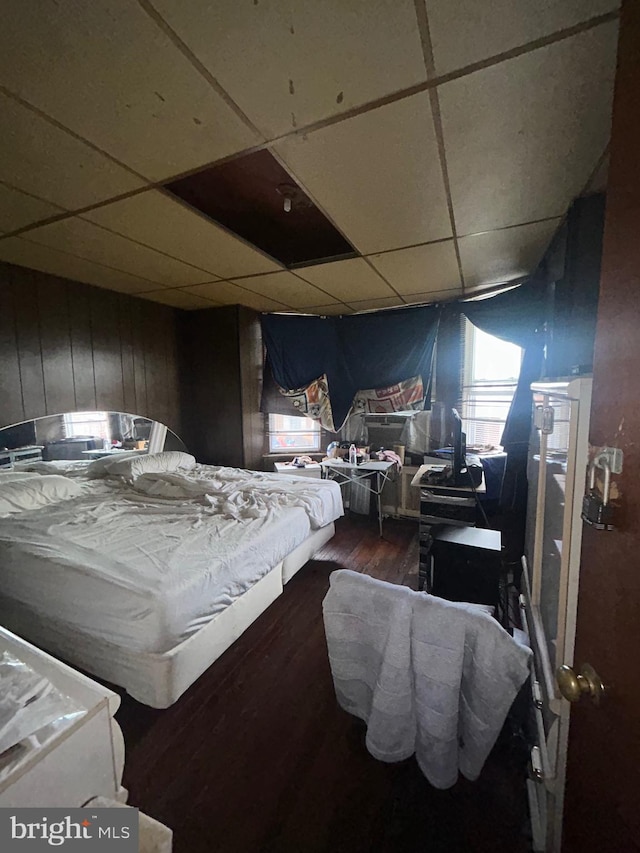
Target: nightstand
314 470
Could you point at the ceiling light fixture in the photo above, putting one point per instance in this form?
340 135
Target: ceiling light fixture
288 193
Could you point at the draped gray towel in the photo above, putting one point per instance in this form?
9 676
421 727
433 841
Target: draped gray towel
428 676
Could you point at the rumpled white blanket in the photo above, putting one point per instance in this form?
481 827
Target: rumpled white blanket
428 676
239 494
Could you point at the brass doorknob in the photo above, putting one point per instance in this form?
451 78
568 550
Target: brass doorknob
573 687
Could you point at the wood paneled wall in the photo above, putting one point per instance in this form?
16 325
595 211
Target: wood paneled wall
66 346
221 352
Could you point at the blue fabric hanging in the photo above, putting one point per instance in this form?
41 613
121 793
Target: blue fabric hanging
355 352
516 316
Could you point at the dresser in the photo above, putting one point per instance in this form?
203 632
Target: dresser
31 453
85 759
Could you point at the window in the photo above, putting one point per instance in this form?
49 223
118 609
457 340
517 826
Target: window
290 433
83 424
490 374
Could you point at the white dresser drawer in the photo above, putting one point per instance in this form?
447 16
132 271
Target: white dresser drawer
81 761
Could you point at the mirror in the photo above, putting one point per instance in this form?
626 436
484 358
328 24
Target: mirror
84 436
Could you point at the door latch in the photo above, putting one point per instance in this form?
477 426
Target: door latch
543 419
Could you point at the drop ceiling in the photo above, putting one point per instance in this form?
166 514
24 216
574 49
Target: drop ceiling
444 140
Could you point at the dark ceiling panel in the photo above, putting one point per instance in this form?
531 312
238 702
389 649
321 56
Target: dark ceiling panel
247 196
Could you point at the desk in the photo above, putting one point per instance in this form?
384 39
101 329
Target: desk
99 454
345 472
441 504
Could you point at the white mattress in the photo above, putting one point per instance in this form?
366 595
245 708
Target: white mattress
144 571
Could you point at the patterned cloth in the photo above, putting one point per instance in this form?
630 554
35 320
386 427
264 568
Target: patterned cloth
396 398
314 401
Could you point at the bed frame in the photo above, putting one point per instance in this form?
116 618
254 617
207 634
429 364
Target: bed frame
159 679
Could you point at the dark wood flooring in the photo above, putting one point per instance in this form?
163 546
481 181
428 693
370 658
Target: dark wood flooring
257 757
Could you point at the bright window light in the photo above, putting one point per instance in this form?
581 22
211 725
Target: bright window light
293 434
87 424
490 375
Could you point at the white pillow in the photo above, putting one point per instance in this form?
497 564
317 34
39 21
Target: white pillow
35 493
13 476
151 463
99 467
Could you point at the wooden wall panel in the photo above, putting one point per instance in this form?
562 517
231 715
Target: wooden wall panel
221 352
107 356
10 386
138 308
211 382
84 382
55 342
66 346
27 317
250 354
126 354
172 360
153 334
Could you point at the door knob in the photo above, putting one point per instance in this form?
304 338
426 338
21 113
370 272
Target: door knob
587 683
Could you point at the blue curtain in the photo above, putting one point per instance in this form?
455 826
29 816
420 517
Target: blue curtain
355 352
517 316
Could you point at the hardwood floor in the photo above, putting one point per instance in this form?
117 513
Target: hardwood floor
257 757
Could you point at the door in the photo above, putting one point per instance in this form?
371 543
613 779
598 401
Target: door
558 456
602 797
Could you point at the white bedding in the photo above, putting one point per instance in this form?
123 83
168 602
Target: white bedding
144 566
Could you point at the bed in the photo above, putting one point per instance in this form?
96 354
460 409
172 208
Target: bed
143 572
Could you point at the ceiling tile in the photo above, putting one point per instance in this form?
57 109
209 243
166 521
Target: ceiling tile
376 175
421 268
347 280
432 296
497 256
86 240
158 221
179 299
523 136
309 61
39 158
108 72
226 293
18 209
284 287
18 250
373 304
465 31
